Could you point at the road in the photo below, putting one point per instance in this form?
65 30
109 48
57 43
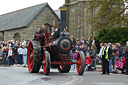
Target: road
20 76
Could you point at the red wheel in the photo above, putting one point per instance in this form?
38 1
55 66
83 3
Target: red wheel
33 57
80 63
46 62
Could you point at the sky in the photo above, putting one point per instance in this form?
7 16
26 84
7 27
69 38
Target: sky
7 6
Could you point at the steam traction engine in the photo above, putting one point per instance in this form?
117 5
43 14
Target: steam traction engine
54 53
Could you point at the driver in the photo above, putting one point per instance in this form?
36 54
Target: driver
42 35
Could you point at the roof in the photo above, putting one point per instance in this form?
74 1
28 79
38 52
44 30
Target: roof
23 17
57 13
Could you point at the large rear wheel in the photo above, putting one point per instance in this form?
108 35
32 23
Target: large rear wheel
46 62
33 57
80 63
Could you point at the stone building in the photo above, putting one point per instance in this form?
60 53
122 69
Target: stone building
23 23
77 14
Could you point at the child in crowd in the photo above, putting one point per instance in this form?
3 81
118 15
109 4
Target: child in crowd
88 62
119 65
74 56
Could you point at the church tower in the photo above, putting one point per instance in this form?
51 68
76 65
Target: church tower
77 14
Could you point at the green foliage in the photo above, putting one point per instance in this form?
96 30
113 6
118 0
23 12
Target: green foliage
109 14
114 35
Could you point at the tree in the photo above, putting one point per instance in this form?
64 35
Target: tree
110 14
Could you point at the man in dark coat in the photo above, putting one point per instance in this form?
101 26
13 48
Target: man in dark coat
105 55
120 52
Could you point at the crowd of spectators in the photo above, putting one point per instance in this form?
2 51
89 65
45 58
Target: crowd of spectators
89 48
13 52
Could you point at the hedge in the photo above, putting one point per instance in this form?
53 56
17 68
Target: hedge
113 35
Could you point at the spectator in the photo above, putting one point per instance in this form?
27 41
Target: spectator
4 53
88 51
120 52
88 62
74 56
73 40
82 41
10 61
100 53
1 58
126 58
20 52
24 56
93 44
16 56
111 56
89 41
94 41
101 48
93 57
83 48
114 53
24 43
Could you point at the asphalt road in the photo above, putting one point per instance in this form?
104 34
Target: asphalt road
20 76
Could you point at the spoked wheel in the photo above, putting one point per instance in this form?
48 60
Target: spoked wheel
80 63
46 62
33 57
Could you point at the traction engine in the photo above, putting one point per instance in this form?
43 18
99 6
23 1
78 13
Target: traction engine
56 52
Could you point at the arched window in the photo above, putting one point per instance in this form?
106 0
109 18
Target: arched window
17 37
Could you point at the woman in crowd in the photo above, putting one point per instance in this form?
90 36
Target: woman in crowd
10 61
25 56
88 51
114 53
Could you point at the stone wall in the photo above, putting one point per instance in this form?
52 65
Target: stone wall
8 35
1 36
77 18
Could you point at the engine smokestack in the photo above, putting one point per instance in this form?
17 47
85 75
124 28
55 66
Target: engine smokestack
63 12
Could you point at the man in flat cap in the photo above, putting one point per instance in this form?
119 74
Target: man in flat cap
105 56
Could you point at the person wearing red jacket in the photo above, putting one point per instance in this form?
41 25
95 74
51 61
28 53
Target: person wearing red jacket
88 62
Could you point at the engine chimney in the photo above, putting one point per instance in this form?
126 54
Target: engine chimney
63 10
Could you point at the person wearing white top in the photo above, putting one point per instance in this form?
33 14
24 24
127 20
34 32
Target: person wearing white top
10 61
24 43
24 50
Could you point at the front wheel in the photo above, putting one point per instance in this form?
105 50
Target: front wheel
46 62
80 63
